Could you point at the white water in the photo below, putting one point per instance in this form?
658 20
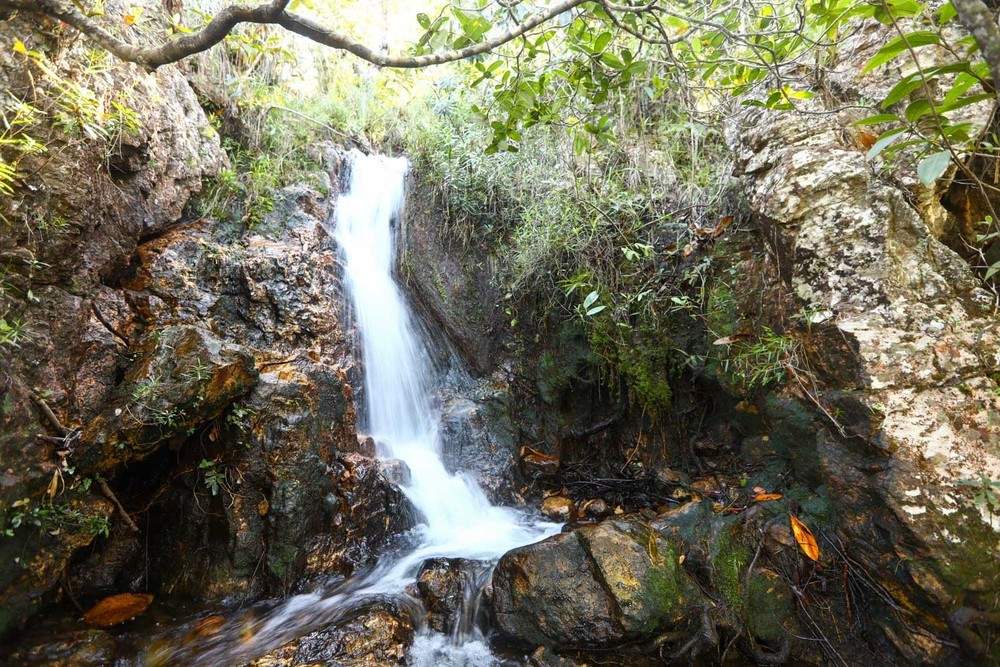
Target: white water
456 519
399 378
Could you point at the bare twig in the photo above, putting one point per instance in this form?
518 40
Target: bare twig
110 495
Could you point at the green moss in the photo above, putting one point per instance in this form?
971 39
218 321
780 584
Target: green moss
662 588
641 356
729 563
721 314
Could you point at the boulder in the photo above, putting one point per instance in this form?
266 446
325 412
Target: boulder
444 585
376 637
595 587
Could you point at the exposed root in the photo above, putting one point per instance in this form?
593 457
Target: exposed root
110 495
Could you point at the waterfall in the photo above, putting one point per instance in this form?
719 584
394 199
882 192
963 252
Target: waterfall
456 518
459 521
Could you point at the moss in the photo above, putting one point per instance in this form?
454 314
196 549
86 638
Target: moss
662 588
729 562
721 314
642 358
761 601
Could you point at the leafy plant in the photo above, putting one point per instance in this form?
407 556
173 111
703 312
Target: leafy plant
54 519
213 476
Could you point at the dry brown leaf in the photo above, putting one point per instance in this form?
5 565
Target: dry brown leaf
764 497
804 537
532 455
53 484
867 139
116 609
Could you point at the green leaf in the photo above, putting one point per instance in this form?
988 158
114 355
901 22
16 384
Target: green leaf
917 110
965 101
883 142
602 41
902 89
595 310
932 166
946 13
993 270
901 44
590 299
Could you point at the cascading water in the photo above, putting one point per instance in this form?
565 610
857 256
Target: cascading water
457 519
399 380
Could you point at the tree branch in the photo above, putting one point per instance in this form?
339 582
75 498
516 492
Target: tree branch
977 18
273 13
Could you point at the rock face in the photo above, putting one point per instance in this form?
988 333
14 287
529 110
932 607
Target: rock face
84 207
203 372
917 389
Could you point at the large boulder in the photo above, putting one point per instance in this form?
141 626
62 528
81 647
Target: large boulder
594 587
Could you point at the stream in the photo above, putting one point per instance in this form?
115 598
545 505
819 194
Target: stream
455 518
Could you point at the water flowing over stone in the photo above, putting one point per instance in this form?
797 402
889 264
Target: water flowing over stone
399 378
400 412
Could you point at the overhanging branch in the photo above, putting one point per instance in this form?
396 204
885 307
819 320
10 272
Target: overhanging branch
272 13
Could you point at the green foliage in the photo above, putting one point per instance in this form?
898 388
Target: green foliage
54 519
986 493
213 476
760 362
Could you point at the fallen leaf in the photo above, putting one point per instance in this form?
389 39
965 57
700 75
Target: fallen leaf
804 537
116 609
534 456
764 497
53 485
263 507
867 139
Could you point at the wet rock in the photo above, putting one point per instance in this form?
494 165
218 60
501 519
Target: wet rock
79 648
376 637
443 584
549 593
597 586
395 471
557 508
543 656
184 377
595 508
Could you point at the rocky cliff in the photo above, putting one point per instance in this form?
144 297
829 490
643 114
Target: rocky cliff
177 412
